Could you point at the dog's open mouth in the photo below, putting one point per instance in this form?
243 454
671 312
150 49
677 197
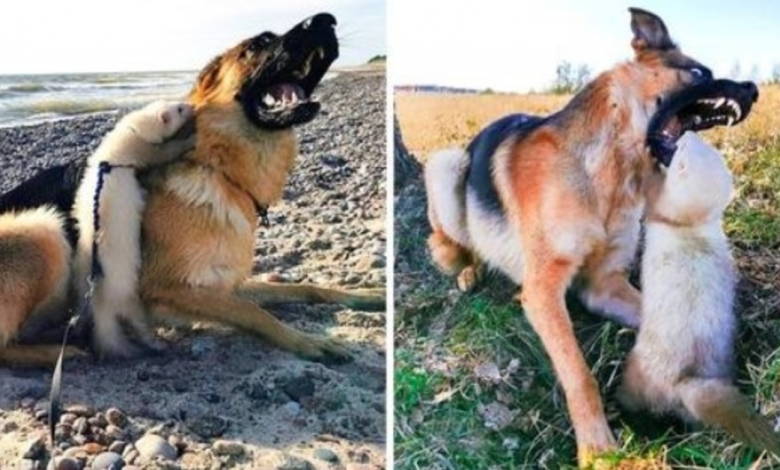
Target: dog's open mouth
697 108
278 94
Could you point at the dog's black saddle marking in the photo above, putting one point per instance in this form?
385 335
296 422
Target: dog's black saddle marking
483 147
55 186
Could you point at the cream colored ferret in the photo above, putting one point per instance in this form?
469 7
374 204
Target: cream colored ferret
142 138
683 358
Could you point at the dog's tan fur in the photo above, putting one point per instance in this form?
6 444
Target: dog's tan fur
35 260
572 192
210 197
139 140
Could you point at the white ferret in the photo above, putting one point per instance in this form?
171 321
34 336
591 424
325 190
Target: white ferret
141 139
682 362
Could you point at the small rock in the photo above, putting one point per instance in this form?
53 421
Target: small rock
131 456
152 445
108 460
299 387
64 463
292 408
326 455
117 447
81 426
207 426
63 431
116 417
68 418
92 448
178 442
76 453
228 448
80 410
98 421
115 433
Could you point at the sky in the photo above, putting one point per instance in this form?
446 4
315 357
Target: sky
61 36
516 45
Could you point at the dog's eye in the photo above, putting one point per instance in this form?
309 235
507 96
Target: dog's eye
264 39
700 73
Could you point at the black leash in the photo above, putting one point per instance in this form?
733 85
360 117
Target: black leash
96 271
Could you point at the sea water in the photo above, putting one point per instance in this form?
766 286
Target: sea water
31 99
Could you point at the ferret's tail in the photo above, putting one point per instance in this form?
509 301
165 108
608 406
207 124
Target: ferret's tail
445 180
719 404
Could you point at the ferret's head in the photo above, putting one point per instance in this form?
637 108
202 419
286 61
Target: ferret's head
160 120
697 187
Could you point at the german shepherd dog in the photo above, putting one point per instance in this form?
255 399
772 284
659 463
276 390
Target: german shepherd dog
198 229
546 200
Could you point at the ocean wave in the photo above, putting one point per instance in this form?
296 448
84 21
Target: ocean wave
30 88
68 107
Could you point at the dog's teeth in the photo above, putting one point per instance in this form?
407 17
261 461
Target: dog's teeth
719 103
697 120
269 100
730 121
294 98
738 111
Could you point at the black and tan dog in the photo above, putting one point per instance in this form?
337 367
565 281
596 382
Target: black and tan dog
545 199
199 223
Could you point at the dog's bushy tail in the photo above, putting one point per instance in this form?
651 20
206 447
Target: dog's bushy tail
445 179
717 403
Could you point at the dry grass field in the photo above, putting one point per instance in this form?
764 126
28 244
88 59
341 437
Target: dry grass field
473 386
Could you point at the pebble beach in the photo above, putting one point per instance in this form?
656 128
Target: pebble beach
218 398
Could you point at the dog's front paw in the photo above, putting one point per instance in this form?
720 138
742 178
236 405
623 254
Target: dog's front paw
593 453
469 277
323 349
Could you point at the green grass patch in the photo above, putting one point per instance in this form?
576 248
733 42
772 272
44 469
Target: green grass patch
754 216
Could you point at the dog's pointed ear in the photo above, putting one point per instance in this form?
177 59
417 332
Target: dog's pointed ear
207 80
649 32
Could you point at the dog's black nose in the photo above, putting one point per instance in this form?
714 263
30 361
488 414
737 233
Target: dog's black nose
752 89
320 21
